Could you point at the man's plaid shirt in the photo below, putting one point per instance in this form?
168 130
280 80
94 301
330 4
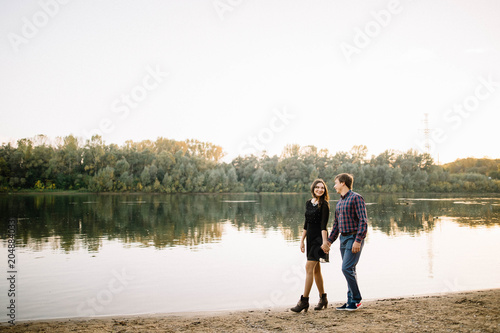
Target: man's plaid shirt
350 216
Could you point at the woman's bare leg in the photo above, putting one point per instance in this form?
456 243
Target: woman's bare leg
310 268
318 278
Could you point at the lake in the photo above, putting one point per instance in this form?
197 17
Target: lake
88 255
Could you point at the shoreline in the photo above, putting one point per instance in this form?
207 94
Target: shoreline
477 310
206 313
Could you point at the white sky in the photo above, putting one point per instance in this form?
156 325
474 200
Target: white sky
233 65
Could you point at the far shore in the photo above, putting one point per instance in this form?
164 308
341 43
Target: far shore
471 311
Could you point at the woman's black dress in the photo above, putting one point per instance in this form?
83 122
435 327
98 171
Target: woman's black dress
316 220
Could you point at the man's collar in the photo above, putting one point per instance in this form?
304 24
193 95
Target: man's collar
346 195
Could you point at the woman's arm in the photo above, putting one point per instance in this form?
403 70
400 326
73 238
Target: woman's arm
304 233
302 246
325 215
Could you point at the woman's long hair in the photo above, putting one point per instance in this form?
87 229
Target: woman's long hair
325 197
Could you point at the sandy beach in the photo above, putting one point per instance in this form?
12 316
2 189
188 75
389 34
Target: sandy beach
474 311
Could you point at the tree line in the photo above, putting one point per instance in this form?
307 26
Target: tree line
191 166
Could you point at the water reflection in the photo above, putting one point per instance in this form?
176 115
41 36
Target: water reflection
73 222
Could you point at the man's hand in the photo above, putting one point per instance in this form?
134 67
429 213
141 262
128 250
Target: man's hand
325 247
356 247
302 247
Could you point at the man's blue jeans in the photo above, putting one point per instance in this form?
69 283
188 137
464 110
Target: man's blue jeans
349 262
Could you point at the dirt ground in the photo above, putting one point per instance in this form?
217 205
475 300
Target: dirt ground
475 311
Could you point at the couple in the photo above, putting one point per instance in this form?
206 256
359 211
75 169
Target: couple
351 222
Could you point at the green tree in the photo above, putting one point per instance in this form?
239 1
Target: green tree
93 155
103 181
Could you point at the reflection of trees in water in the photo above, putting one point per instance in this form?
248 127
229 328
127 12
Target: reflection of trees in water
283 212
485 212
393 215
72 222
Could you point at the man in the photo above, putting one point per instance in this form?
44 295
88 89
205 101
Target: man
351 222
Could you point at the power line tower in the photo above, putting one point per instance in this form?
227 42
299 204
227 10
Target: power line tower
427 135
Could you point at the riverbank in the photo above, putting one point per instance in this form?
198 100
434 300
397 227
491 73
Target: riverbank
474 311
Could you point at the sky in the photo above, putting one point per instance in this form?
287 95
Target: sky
253 75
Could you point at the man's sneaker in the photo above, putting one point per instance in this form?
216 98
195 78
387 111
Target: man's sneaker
353 306
342 308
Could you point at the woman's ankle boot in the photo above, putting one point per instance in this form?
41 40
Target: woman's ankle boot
303 304
323 302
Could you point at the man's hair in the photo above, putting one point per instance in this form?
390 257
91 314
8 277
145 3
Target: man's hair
345 178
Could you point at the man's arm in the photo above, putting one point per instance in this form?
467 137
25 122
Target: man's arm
335 229
360 209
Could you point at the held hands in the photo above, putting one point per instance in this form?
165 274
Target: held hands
356 247
325 247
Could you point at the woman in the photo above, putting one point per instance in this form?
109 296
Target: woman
317 213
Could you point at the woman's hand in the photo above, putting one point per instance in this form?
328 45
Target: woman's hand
302 247
325 247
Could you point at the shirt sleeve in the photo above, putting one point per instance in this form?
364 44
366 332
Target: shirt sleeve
335 229
325 215
360 209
